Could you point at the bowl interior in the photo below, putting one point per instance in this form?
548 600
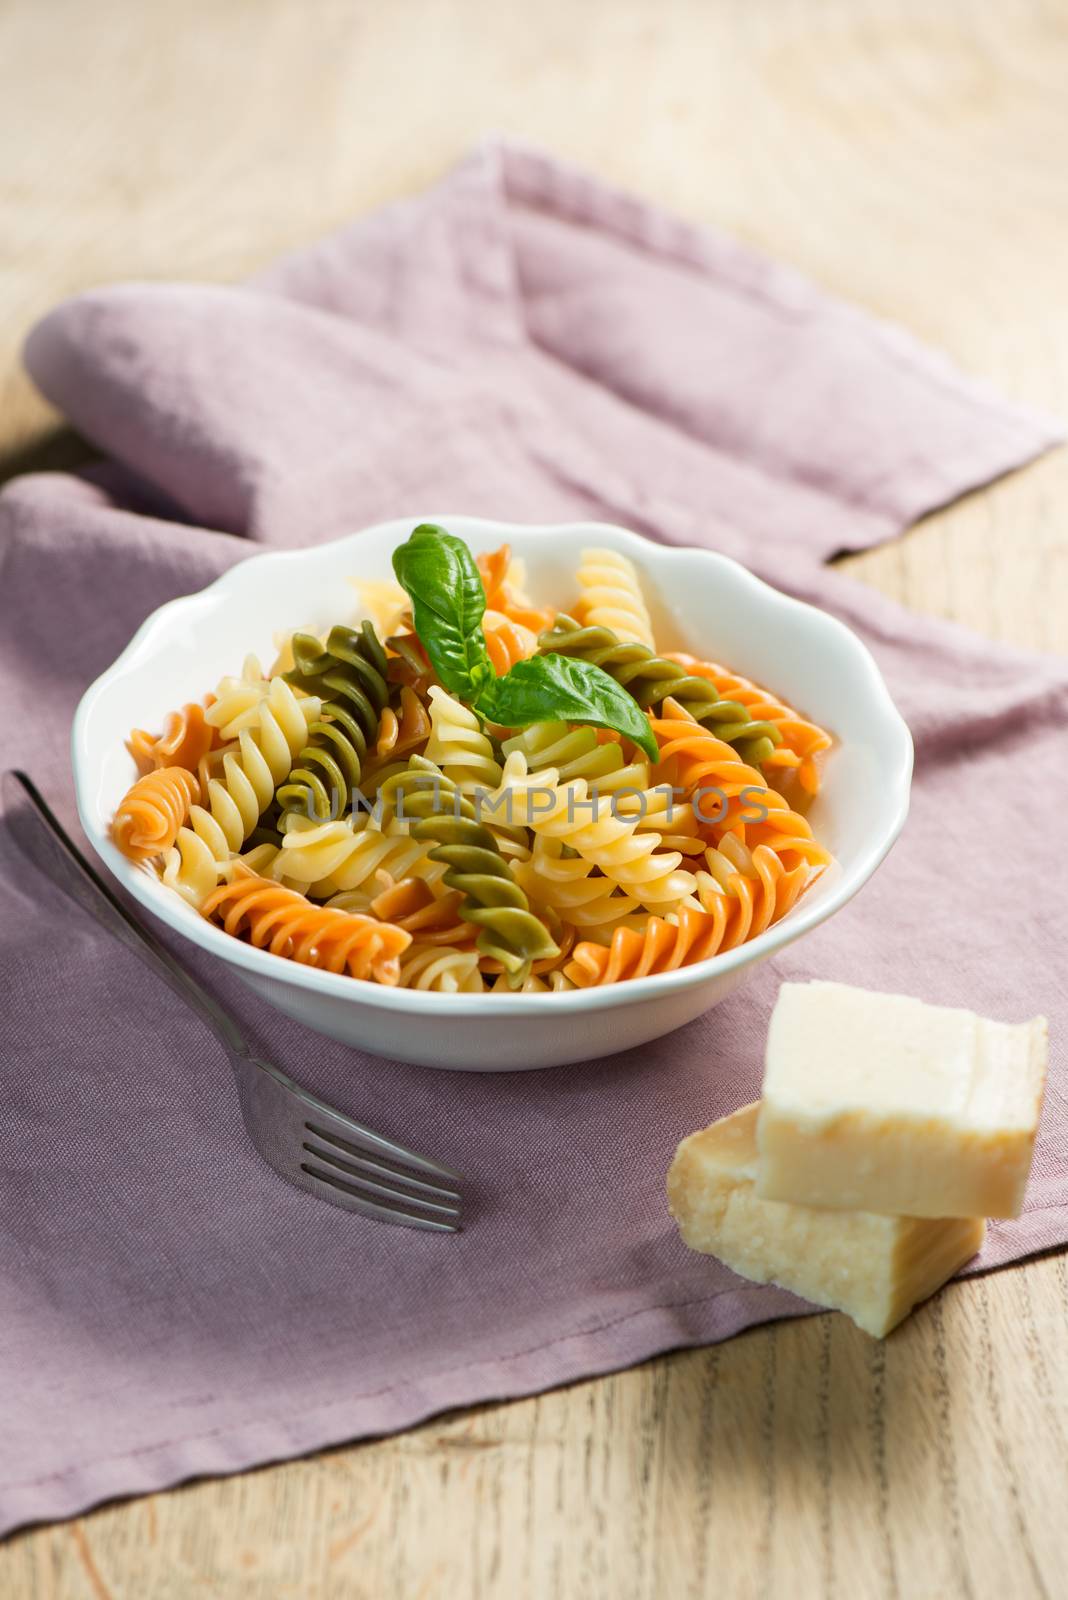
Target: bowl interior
700 602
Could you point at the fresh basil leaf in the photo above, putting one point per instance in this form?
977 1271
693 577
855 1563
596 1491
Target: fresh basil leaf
554 688
440 576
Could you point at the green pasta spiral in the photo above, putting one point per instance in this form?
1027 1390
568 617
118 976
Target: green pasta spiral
349 676
651 679
492 900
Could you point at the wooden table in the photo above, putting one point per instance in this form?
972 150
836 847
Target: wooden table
908 156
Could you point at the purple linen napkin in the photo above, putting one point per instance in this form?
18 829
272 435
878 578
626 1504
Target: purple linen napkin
520 342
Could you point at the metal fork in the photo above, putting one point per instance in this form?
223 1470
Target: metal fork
306 1141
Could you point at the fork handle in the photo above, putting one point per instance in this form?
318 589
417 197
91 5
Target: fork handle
111 912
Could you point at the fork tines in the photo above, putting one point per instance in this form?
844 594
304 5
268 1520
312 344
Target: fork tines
375 1186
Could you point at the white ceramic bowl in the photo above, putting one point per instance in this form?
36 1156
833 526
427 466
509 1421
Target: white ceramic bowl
700 601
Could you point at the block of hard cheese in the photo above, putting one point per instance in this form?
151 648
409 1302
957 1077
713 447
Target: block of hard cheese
873 1268
876 1102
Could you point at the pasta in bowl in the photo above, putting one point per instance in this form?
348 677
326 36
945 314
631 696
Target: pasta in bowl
510 797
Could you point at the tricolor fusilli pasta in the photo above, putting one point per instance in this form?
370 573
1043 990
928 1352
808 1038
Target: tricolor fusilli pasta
502 795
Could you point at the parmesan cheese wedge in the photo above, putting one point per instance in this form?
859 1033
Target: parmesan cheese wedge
873 1268
877 1102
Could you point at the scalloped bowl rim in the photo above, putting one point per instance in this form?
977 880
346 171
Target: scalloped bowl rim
800 920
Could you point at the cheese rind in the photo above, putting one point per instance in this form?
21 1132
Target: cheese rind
878 1102
874 1268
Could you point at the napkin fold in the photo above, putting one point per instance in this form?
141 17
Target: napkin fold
521 342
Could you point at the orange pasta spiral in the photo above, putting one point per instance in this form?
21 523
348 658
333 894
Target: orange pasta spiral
151 813
501 595
802 741
184 742
737 904
399 735
507 641
412 905
285 923
660 947
745 892
700 761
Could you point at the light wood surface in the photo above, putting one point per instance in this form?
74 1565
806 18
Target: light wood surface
906 155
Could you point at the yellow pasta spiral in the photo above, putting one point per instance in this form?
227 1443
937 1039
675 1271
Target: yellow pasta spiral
591 828
610 596
570 886
236 799
445 970
458 745
578 753
328 858
555 982
739 897
658 810
237 700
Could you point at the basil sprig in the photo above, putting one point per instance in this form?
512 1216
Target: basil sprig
440 576
444 585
